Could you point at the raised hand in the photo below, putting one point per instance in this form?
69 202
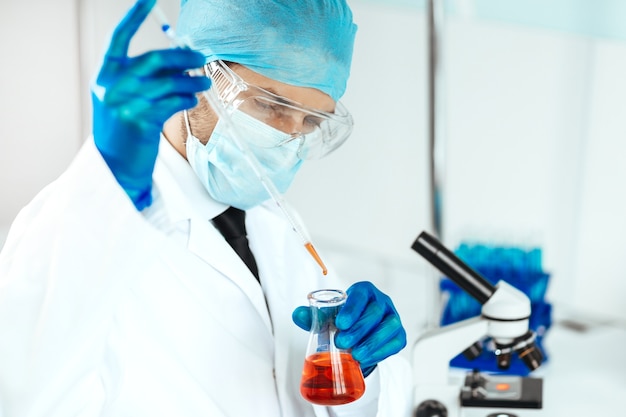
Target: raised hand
133 97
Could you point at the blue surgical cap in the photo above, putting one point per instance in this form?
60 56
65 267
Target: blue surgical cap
302 43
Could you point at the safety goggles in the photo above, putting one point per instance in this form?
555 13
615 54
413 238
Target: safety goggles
317 133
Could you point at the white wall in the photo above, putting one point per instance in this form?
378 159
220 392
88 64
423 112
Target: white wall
599 264
517 128
39 98
535 120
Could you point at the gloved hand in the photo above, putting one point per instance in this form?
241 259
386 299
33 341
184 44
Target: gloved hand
368 324
132 99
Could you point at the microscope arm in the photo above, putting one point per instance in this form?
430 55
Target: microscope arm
433 350
504 317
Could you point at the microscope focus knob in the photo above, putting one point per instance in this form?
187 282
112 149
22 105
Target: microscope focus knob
431 408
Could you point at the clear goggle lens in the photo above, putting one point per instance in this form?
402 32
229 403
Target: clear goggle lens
317 133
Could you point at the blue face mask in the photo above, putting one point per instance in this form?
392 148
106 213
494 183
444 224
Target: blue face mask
224 170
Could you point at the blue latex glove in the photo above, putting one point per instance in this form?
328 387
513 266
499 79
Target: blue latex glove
132 99
368 324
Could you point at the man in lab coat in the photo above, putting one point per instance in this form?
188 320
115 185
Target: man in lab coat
119 294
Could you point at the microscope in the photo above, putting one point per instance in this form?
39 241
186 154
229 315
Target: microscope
504 318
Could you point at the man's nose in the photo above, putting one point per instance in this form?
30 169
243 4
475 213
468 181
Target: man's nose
292 124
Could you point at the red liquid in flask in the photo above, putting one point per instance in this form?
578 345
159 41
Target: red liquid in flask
331 382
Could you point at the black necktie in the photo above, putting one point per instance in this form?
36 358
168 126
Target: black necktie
232 225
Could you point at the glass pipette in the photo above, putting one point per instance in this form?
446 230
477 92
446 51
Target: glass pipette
215 104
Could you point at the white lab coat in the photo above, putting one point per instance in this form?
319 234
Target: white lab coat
103 313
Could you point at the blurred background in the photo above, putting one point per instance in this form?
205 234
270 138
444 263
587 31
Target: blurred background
531 125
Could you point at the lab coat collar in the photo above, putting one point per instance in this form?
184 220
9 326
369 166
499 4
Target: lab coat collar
189 185
185 199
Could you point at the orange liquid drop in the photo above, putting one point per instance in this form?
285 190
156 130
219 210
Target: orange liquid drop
331 382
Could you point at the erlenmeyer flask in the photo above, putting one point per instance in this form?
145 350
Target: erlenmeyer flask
330 375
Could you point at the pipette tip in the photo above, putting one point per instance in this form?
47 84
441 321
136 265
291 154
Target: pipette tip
309 247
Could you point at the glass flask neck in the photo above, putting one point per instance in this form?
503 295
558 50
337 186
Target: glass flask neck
327 298
325 305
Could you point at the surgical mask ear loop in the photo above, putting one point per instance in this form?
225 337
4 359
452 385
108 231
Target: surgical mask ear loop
187 125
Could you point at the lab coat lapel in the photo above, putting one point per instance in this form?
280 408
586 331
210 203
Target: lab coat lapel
208 244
